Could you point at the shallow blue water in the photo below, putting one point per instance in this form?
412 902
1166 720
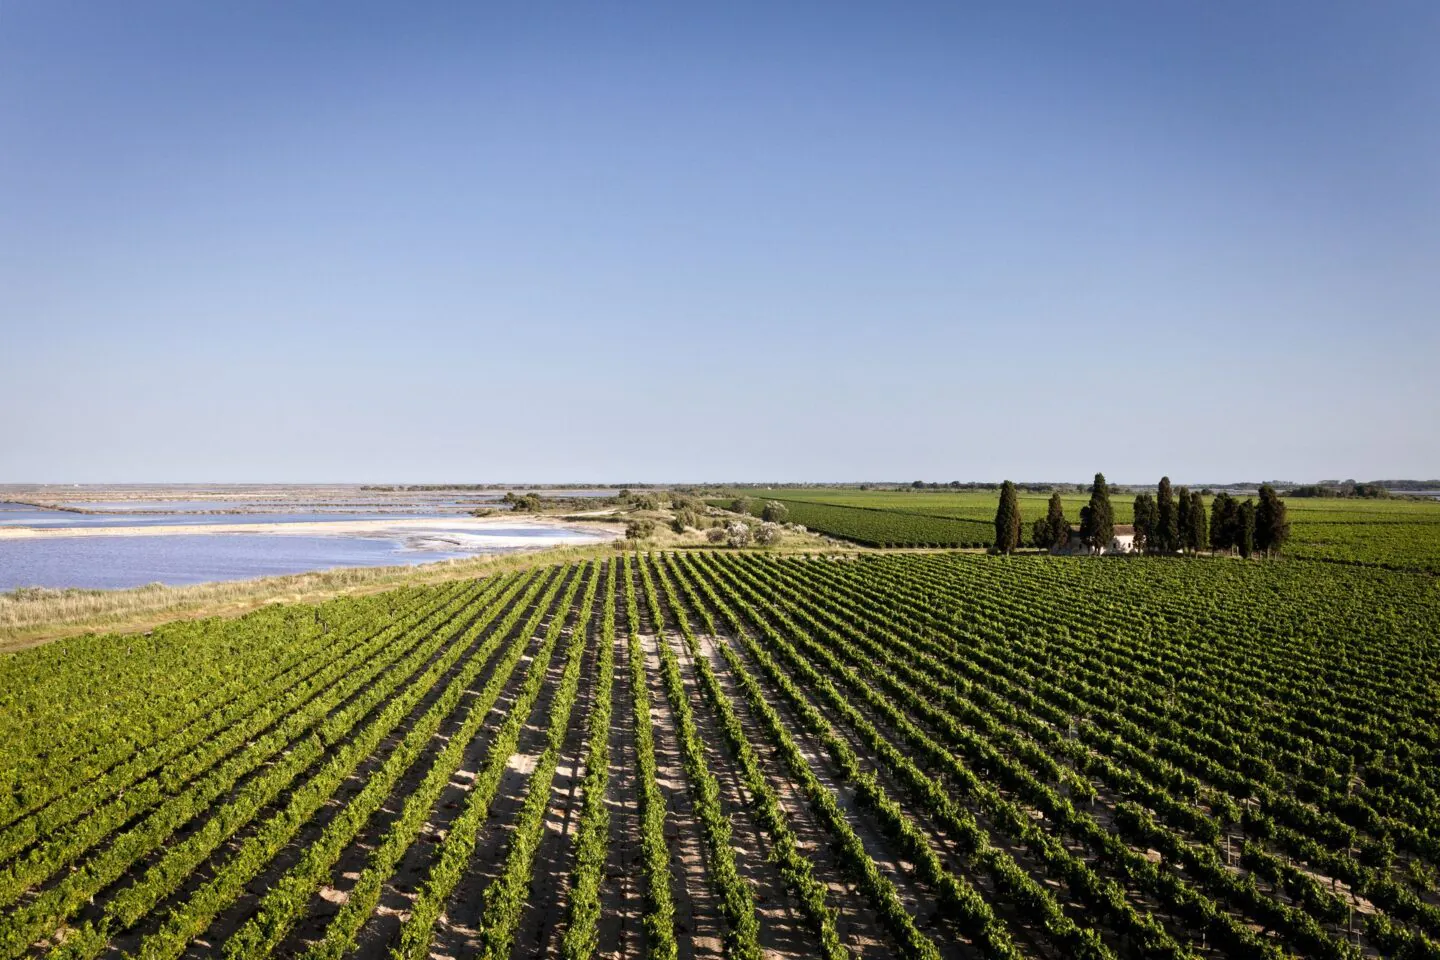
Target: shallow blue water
124 513
283 505
108 562
32 517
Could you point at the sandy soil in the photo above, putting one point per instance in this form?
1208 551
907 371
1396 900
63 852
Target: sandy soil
382 528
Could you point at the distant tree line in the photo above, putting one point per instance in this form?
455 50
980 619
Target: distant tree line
1168 521
1347 489
979 485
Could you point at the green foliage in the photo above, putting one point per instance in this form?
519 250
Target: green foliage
1272 526
341 935
641 528
654 853
1262 736
1348 489
774 512
1147 521
736 900
769 534
1224 523
738 534
458 844
1007 520
523 502
1197 528
797 869
1057 528
1097 519
876 527
1245 529
1167 522
1400 534
505 899
1182 519
592 839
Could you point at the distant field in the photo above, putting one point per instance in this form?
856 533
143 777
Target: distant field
1401 534
882 525
709 753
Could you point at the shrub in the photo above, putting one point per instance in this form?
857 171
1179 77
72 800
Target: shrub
738 534
641 529
684 519
741 505
769 534
774 512
716 534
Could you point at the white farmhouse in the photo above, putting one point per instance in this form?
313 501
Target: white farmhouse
1123 541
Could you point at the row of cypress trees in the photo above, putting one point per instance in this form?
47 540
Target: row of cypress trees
1168 521
1097 520
1171 521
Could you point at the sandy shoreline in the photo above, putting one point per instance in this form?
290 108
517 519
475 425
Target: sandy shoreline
312 528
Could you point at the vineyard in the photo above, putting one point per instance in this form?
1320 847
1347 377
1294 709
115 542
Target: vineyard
745 755
1395 534
883 526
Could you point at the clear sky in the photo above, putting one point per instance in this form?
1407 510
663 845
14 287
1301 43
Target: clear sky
310 241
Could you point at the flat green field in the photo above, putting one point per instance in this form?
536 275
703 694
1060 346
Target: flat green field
1399 534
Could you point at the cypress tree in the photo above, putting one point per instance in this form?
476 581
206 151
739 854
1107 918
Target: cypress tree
1007 520
1055 518
1098 525
1182 519
1145 522
1199 535
1167 530
1245 528
1222 522
1272 528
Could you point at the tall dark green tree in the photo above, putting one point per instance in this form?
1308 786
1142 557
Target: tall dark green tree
1167 526
1145 519
1224 515
1245 528
1097 524
1051 530
1182 519
1197 534
1055 517
1007 520
1272 527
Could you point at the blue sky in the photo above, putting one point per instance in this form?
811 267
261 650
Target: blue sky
385 241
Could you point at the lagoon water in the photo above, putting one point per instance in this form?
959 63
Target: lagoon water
118 561
33 517
110 562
